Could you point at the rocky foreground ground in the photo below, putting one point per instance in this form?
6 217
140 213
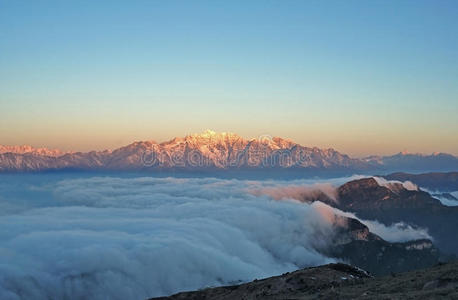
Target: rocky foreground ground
340 281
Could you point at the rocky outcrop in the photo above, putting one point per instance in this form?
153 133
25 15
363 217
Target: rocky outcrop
371 201
354 243
340 281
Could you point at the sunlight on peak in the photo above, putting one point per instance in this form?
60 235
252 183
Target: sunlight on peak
211 133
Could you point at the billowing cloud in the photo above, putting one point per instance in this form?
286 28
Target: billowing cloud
133 238
136 238
394 184
397 232
303 193
444 198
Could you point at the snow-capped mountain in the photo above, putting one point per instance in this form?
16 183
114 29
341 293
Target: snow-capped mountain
205 151
208 150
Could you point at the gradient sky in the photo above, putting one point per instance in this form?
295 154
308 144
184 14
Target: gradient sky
363 77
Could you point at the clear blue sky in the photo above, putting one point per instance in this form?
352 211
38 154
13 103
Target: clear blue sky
360 76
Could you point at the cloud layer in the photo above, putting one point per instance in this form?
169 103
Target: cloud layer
133 238
136 238
397 232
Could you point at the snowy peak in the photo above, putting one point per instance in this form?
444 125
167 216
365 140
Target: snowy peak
212 137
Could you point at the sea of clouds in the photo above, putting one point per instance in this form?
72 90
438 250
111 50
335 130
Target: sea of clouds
134 238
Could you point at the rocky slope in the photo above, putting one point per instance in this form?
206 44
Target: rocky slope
354 243
394 203
340 281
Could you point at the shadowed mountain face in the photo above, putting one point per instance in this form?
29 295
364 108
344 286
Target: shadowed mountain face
393 203
367 194
409 162
354 243
211 151
340 281
369 200
445 182
381 257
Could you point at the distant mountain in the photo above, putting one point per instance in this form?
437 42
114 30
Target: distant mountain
445 182
213 151
409 162
26 149
205 151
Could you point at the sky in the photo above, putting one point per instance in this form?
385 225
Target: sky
363 77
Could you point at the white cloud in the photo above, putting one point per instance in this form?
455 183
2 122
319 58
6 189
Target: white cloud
133 238
392 184
303 193
447 201
397 232
442 198
136 238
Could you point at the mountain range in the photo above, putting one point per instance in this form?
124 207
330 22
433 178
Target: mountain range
215 151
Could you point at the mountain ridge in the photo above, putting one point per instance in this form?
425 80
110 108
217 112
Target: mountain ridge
339 281
207 150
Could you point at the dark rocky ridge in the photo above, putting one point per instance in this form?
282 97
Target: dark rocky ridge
370 201
445 182
355 244
382 257
340 281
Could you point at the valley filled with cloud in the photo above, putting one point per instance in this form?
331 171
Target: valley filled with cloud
138 237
